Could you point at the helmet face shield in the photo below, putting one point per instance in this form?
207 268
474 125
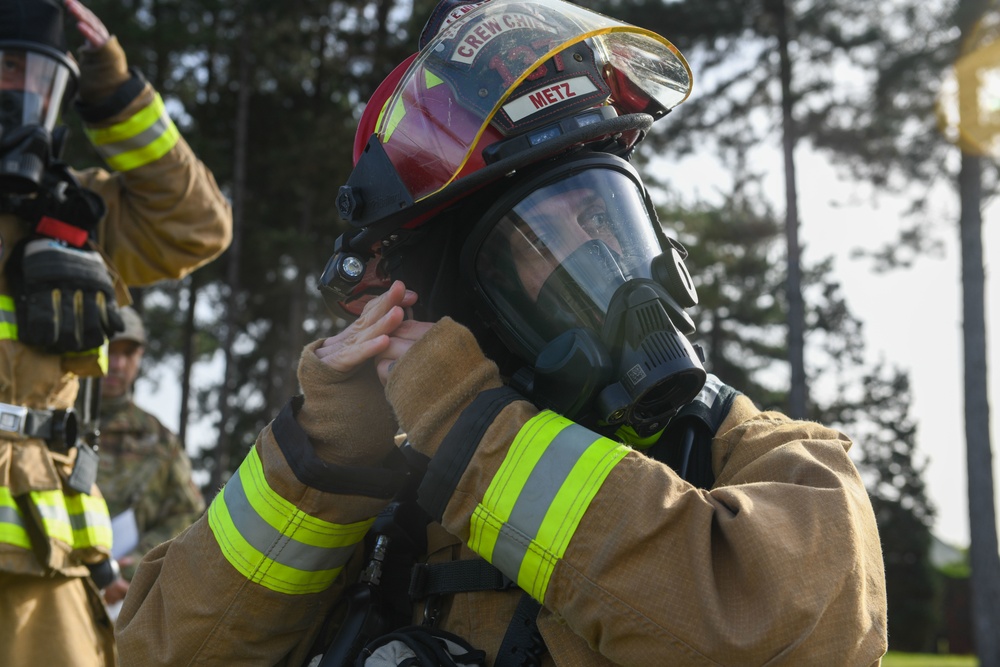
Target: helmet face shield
505 68
554 259
32 86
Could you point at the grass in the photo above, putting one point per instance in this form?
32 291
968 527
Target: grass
894 659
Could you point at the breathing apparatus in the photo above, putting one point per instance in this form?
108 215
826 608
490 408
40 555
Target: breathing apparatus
37 78
513 123
65 296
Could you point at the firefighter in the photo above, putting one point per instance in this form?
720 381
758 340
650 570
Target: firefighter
514 455
71 241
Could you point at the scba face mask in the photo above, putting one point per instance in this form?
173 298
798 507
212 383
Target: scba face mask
32 88
37 78
570 272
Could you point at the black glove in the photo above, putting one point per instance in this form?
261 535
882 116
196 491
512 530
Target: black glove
65 296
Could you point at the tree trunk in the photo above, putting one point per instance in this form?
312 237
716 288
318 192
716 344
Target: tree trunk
187 360
983 553
797 394
220 471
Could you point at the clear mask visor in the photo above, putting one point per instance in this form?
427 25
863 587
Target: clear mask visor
555 260
32 86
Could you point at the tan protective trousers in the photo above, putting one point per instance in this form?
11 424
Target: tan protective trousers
53 621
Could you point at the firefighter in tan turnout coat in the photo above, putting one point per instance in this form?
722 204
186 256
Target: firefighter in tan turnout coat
514 454
70 242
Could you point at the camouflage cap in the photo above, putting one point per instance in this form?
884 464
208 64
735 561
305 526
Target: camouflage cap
134 330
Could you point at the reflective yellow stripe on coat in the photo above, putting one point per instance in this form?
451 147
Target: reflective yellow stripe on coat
78 519
8 320
534 504
145 137
272 542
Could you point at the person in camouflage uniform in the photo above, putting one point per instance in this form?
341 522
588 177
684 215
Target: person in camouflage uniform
143 466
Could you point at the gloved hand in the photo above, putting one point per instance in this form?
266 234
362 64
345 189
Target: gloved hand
65 297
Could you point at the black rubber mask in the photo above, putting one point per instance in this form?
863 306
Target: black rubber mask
572 275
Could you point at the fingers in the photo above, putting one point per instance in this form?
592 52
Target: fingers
402 339
369 335
91 27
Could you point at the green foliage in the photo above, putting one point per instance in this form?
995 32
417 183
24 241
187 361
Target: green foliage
740 320
737 261
956 570
308 66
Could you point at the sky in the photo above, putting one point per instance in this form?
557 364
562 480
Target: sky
912 319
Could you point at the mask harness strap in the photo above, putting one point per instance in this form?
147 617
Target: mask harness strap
693 427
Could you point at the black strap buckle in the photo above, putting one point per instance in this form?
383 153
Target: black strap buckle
459 576
58 428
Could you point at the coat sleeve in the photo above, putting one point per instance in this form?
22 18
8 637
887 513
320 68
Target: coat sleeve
165 213
778 563
252 581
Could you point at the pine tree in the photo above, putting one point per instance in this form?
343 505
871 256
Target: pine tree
878 419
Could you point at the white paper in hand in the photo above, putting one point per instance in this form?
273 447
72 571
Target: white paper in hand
124 534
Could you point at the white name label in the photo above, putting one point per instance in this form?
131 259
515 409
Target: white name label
544 98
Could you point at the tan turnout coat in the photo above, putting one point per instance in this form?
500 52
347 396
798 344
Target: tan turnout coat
779 563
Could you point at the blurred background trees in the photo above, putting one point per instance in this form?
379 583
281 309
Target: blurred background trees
269 95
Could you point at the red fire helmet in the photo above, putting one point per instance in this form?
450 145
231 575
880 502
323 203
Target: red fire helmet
496 86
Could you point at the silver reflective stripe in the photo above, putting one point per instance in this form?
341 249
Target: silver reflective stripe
55 513
539 491
274 544
10 515
89 520
139 141
710 392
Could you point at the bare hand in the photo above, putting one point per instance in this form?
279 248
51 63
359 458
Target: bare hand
91 27
401 340
116 590
380 333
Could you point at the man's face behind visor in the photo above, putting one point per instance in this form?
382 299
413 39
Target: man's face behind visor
557 257
31 88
